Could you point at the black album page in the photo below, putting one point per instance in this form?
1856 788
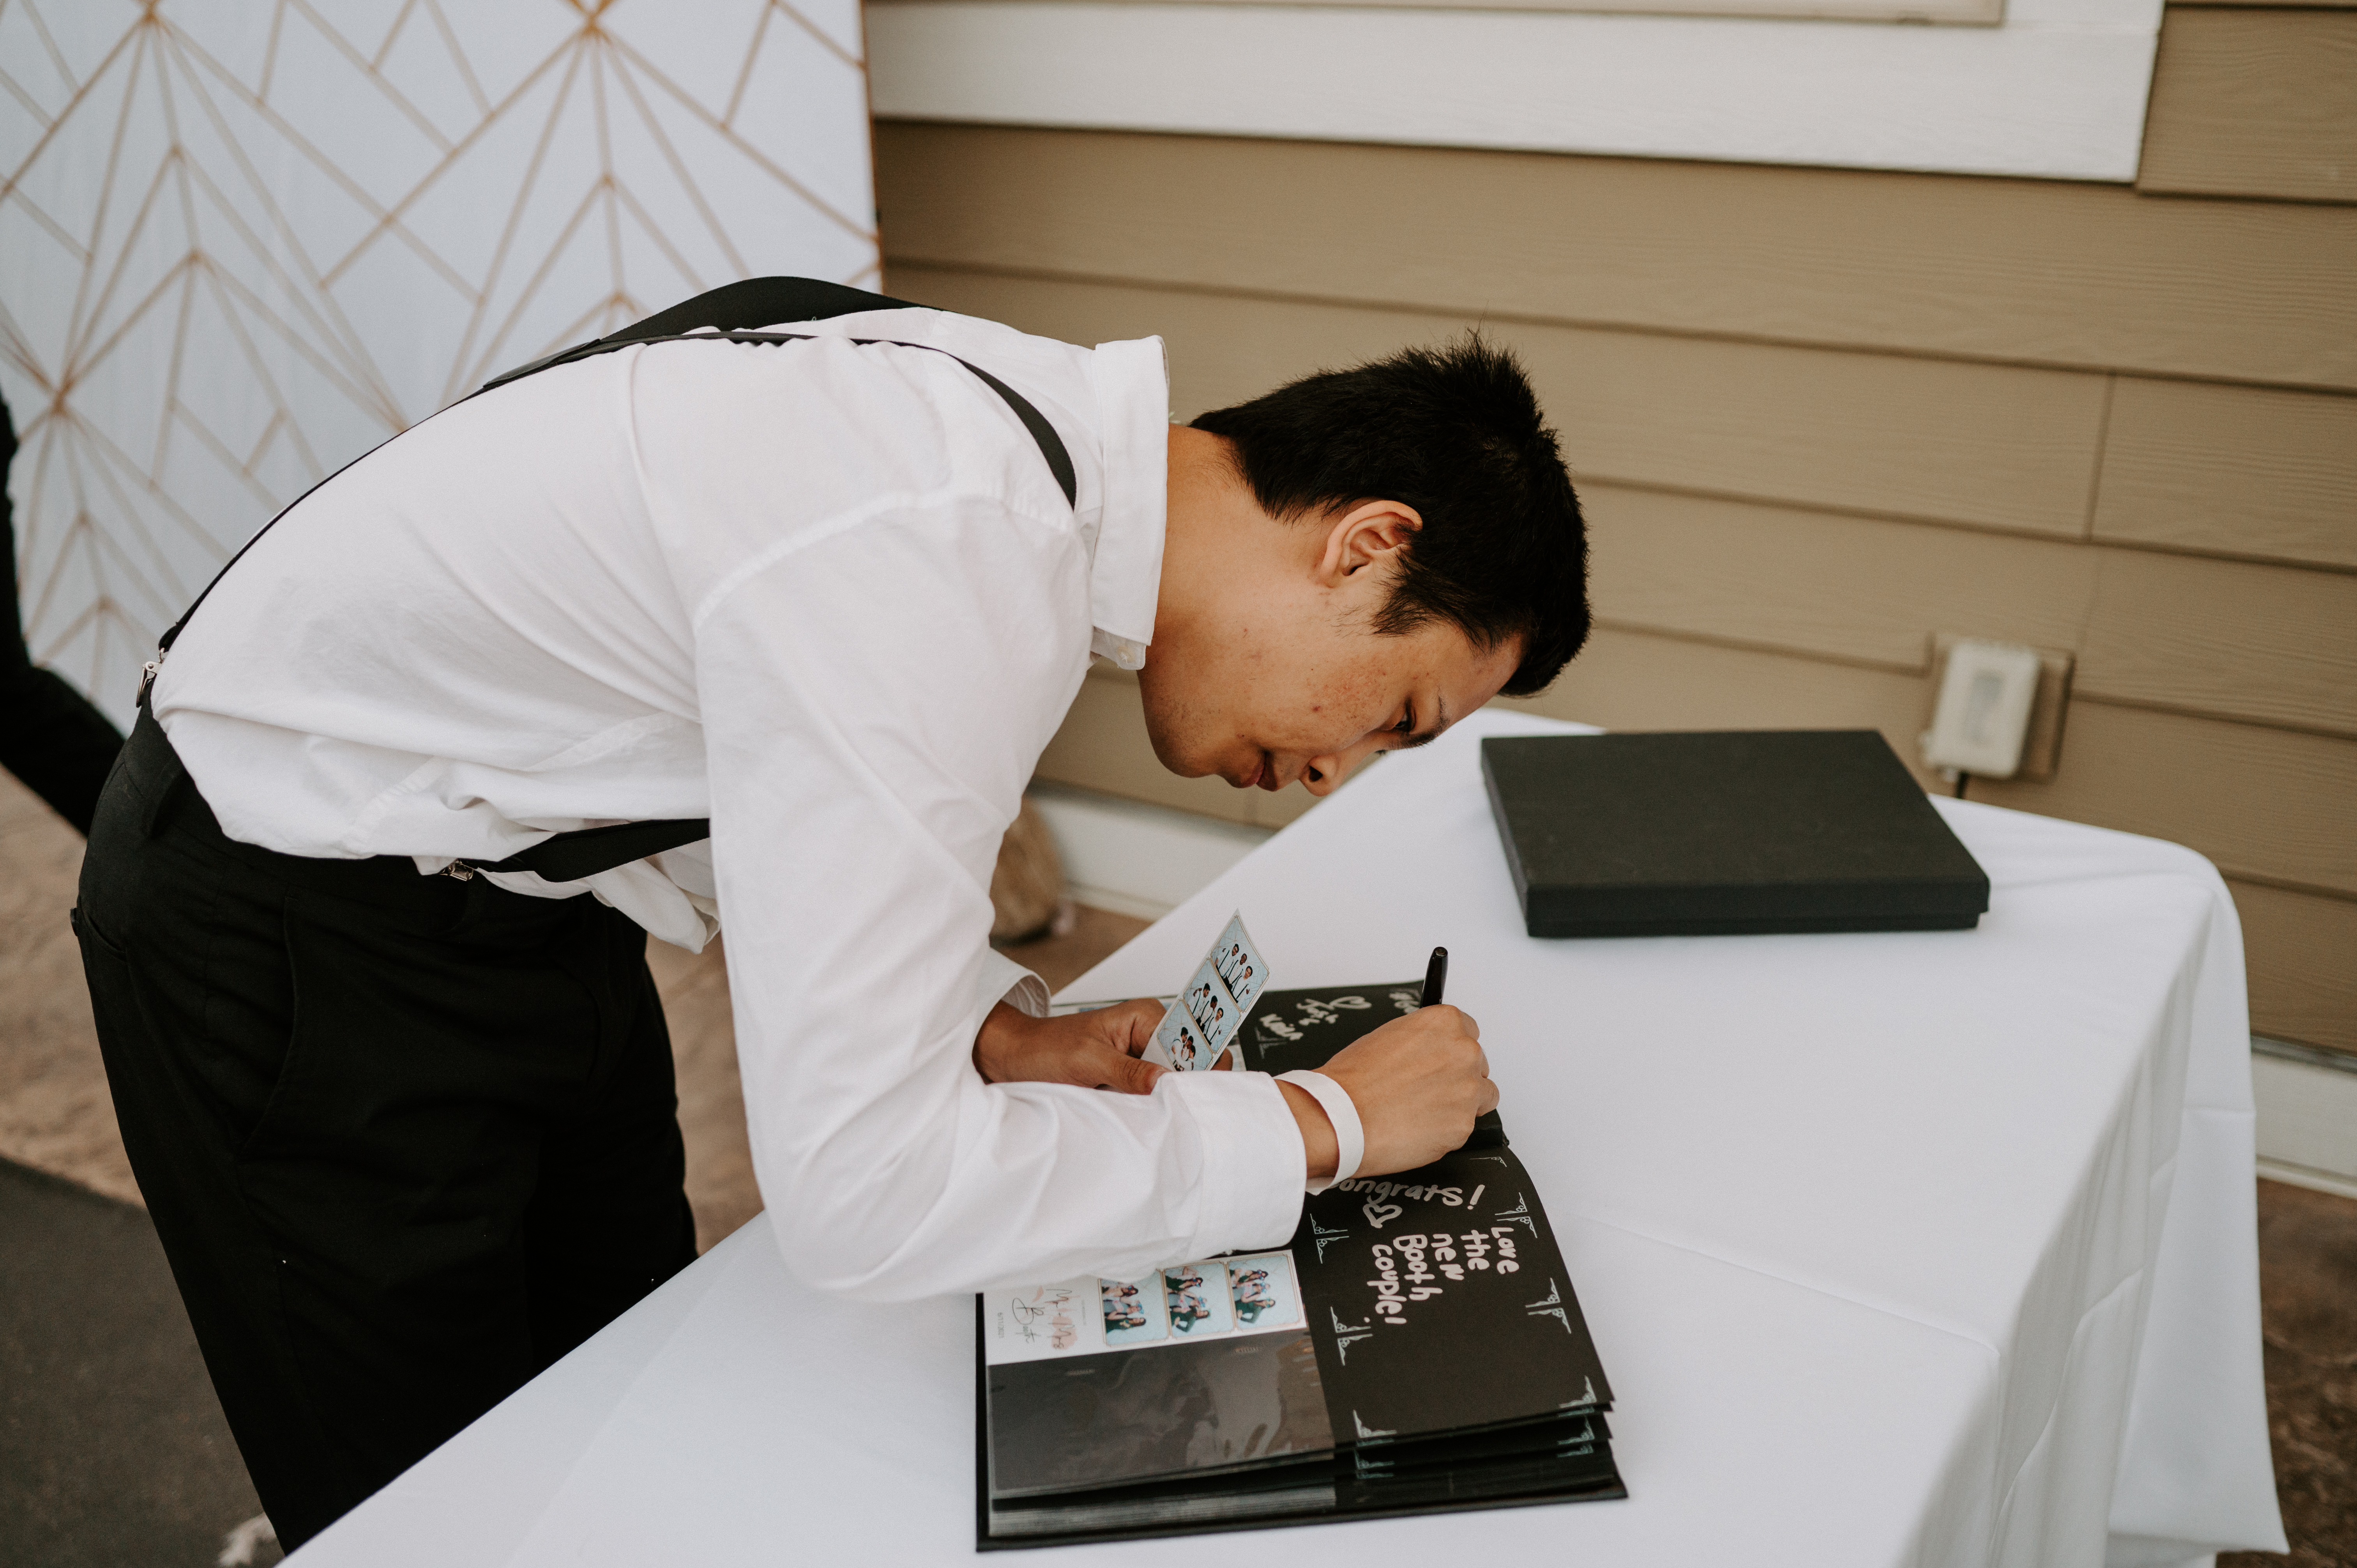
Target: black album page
1417 1347
1442 1304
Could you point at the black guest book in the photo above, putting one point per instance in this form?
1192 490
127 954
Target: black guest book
1415 1349
1725 832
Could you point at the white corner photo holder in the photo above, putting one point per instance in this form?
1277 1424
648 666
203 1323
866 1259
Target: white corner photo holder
1982 714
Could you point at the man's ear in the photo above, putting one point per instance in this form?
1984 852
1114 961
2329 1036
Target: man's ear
1371 533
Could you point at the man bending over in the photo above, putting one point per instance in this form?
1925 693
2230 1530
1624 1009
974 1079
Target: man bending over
763 627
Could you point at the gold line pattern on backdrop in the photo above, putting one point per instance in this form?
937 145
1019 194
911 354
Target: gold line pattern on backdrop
241 243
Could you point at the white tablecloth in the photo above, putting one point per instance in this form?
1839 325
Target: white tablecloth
1913 1248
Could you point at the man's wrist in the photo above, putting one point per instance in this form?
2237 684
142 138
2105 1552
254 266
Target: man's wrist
1341 1116
1319 1146
1000 1039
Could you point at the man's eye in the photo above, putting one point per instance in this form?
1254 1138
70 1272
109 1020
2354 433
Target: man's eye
1408 725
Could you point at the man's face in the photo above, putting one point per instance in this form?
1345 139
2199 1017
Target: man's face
1309 702
1264 667
1285 680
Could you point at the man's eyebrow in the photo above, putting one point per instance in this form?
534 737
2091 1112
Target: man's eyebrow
1428 737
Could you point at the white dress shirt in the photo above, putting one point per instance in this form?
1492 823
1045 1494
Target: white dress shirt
831 597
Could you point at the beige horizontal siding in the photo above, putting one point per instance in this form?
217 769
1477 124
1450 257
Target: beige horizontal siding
2266 804
2021 271
2302 958
2223 639
1986 445
2234 470
2268 643
1627 680
1839 587
2228 638
2254 103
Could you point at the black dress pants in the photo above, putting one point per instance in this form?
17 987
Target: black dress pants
406 1140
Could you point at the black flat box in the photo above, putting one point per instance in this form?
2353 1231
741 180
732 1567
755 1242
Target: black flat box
1730 832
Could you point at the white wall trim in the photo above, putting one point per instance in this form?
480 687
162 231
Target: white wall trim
1135 859
2308 1116
2301 1176
2057 92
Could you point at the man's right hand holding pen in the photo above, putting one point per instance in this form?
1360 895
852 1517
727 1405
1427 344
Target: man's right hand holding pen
1417 1083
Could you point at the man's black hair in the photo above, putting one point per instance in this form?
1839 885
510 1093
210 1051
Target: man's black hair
1456 433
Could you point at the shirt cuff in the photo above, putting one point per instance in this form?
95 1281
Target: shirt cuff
1254 1162
1004 979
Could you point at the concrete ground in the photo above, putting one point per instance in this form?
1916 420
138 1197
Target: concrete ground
114 1451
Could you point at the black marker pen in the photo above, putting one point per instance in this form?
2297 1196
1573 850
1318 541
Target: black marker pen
1436 976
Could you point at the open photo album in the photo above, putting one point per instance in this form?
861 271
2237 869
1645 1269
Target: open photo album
1416 1348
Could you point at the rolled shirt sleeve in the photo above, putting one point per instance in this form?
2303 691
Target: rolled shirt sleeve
1004 979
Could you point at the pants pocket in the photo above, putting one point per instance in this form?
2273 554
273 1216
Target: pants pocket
291 1114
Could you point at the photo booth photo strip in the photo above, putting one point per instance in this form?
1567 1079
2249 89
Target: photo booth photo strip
1197 1295
1239 964
1135 1312
1198 1028
1211 1298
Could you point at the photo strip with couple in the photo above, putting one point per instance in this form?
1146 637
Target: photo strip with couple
1209 1299
1197 1029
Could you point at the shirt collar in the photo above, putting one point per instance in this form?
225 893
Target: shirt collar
1132 382
1123 514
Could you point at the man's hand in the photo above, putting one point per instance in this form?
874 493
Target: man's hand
1417 1083
1095 1051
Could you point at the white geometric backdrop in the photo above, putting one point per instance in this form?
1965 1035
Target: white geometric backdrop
243 240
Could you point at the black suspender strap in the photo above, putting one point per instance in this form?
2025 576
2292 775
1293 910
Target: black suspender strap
586 852
1043 434
570 856
1051 446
